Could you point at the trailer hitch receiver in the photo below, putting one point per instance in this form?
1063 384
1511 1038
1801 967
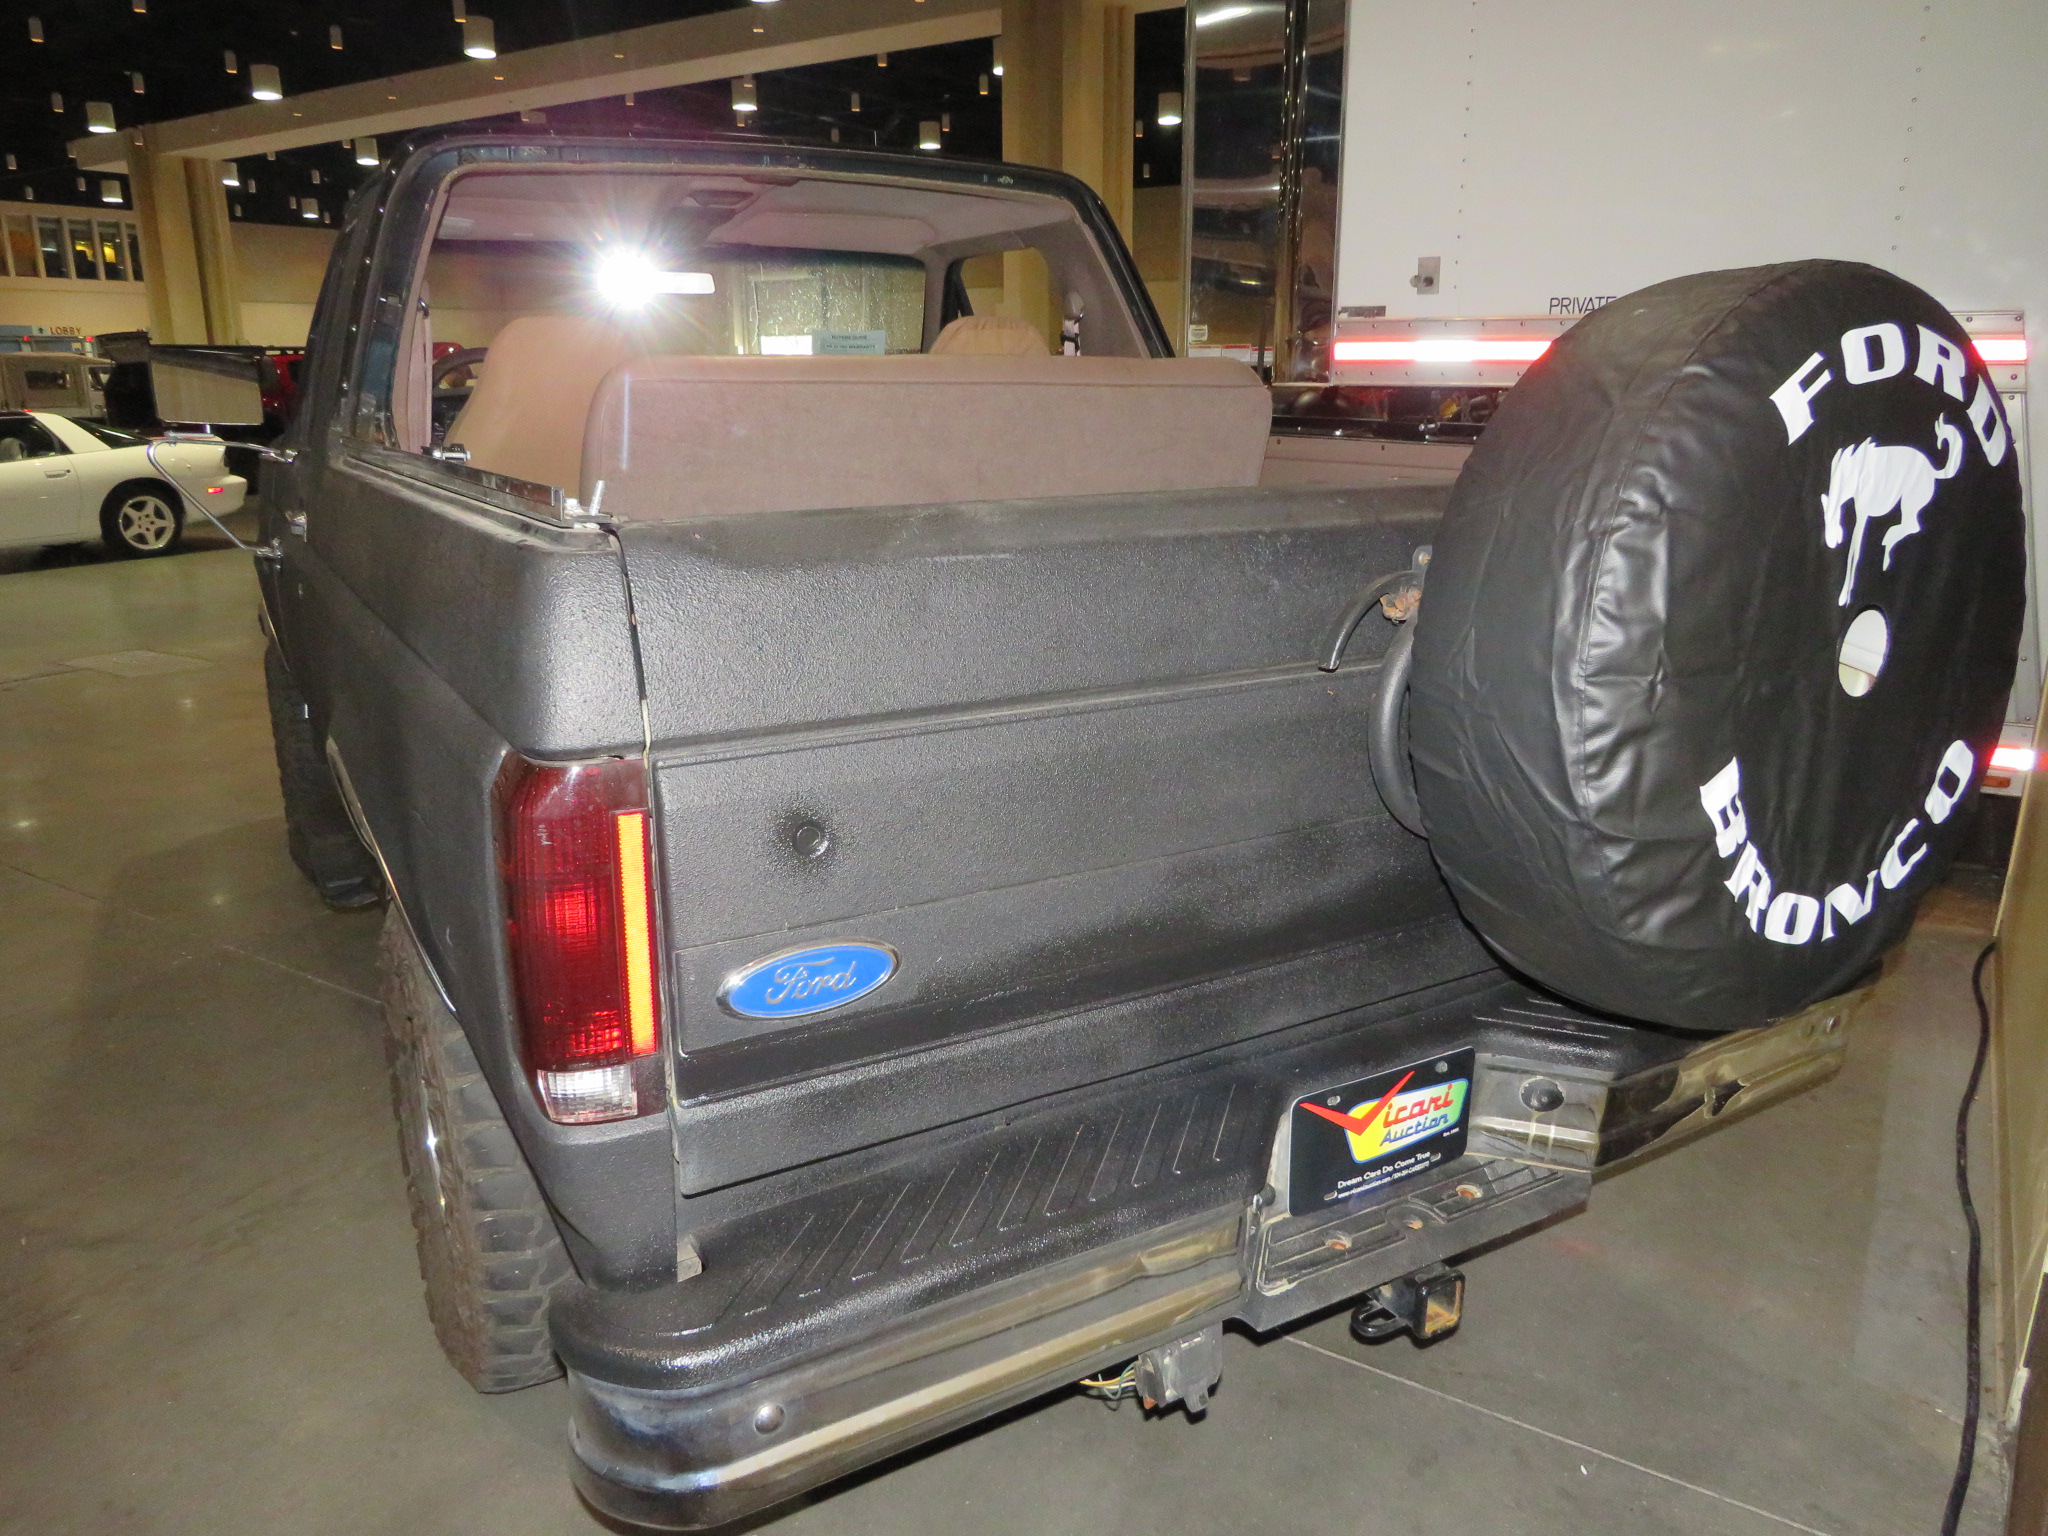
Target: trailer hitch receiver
1428 1304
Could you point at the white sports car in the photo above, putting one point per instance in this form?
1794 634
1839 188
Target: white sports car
65 481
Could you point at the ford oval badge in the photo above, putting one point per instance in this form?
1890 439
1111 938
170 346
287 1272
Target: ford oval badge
810 980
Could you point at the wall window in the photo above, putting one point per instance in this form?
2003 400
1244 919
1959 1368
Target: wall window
56 254
21 247
113 260
84 259
103 249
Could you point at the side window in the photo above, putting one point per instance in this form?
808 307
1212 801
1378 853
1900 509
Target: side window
23 437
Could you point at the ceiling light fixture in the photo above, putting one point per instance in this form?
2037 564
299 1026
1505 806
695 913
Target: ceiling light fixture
927 135
1169 109
227 57
744 97
334 38
231 175
480 37
264 83
35 29
56 101
135 81
366 151
310 207
99 117
984 85
996 65
110 190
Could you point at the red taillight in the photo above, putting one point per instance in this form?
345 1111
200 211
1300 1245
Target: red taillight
573 849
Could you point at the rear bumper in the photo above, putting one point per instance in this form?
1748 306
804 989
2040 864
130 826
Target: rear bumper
687 1413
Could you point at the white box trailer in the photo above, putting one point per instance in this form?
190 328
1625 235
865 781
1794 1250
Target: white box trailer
1509 167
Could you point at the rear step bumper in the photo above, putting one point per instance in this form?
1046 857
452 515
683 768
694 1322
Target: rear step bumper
1014 1260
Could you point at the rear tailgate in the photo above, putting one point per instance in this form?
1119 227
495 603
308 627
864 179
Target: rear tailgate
1072 762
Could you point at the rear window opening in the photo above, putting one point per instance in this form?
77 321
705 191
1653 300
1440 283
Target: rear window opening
575 266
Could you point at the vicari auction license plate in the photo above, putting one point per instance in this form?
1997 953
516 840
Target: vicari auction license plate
1366 1134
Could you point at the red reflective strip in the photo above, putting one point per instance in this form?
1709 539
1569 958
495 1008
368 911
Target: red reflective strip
2001 349
1444 349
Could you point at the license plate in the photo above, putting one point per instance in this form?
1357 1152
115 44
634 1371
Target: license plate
1364 1135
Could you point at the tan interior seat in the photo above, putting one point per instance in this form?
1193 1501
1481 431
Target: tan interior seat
687 437
988 336
525 417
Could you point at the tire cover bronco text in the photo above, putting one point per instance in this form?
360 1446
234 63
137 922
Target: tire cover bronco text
1668 763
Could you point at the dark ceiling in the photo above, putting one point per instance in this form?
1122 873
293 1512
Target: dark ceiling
92 49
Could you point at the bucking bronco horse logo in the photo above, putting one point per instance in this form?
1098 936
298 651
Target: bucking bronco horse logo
1881 479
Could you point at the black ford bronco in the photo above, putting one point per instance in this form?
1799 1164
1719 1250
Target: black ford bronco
914 880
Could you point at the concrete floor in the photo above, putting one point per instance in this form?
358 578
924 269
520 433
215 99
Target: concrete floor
210 1318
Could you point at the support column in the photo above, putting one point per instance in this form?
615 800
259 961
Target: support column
187 245
1068 92
213 238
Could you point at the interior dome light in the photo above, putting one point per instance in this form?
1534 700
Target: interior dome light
631 280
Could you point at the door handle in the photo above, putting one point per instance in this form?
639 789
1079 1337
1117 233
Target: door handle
58 473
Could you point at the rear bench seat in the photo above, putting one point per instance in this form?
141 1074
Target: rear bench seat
673 438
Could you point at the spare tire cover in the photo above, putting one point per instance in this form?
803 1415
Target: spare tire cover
1653 775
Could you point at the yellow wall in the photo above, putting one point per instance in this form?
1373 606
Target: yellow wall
2020 1065
279 271
74 308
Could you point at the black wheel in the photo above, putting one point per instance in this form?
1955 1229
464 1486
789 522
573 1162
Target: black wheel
322 839
141 519
489 1252
1716 641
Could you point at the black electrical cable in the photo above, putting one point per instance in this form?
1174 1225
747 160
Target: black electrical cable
1973 1310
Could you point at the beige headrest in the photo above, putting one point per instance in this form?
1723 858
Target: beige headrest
525 416
989 336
